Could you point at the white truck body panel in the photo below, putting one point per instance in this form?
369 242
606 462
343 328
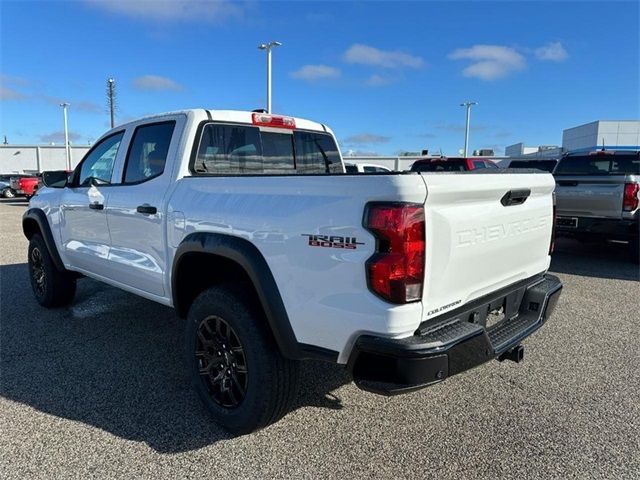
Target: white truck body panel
474 244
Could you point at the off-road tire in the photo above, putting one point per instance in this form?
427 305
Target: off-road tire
51 287
271 381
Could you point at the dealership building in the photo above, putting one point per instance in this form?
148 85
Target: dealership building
38 158
610 134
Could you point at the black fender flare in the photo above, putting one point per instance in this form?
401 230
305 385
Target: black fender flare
247 255
40 218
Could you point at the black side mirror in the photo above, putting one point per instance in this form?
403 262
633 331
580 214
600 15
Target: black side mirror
55 178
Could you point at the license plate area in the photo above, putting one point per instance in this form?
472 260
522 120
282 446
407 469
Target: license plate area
567 222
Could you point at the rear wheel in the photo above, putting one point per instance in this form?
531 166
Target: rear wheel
51 287
8 193
234 362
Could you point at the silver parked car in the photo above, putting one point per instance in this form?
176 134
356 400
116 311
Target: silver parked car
598 197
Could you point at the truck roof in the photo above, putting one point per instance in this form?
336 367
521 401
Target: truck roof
235 116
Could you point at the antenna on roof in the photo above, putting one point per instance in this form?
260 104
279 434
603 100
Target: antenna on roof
603 144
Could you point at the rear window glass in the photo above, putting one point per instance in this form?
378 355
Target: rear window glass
243 149
316 153
599 165
546 165
277 153
439 166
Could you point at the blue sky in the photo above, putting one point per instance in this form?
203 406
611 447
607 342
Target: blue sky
386 76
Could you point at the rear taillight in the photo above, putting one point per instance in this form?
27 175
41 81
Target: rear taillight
276 121
630 202
396 271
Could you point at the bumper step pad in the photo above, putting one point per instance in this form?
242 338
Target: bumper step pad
451 345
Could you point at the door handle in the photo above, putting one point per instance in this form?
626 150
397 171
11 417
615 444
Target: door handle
147 209
96 206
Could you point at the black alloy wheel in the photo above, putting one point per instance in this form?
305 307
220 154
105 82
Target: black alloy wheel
222 363
38 272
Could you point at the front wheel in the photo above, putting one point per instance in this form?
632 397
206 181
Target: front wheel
51 287
234 363
8 193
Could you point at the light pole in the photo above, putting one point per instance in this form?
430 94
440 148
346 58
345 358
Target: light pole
111 99
268 47
466 127
64 106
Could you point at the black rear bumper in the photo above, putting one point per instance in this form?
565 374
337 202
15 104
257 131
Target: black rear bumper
456 341
604 228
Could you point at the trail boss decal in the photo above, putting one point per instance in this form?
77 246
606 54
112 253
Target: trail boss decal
332 241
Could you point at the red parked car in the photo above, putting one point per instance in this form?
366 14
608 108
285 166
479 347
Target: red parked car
24 186
451 164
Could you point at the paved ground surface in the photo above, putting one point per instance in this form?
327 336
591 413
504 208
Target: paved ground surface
98 390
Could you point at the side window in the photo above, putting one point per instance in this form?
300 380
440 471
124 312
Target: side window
316 153
229 150
148 152
97 166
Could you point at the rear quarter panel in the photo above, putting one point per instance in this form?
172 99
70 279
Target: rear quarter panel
324 289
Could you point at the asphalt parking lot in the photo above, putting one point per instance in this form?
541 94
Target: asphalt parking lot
98 390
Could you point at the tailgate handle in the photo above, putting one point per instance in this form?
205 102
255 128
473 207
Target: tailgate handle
567 183
515 197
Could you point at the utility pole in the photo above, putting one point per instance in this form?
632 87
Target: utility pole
466 128
64 106
268 47
111 99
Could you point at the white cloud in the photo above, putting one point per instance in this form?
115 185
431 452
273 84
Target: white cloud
552 51
376 80
489 62
11 94
214 11
58 137
156 82
366 55
14 80
316 72
365 139
80 105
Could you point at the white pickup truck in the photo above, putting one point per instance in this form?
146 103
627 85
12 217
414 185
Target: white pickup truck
247 225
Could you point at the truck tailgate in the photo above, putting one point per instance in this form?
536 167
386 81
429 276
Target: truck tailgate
582 196
476 244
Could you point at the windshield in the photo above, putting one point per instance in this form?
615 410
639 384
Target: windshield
599 165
